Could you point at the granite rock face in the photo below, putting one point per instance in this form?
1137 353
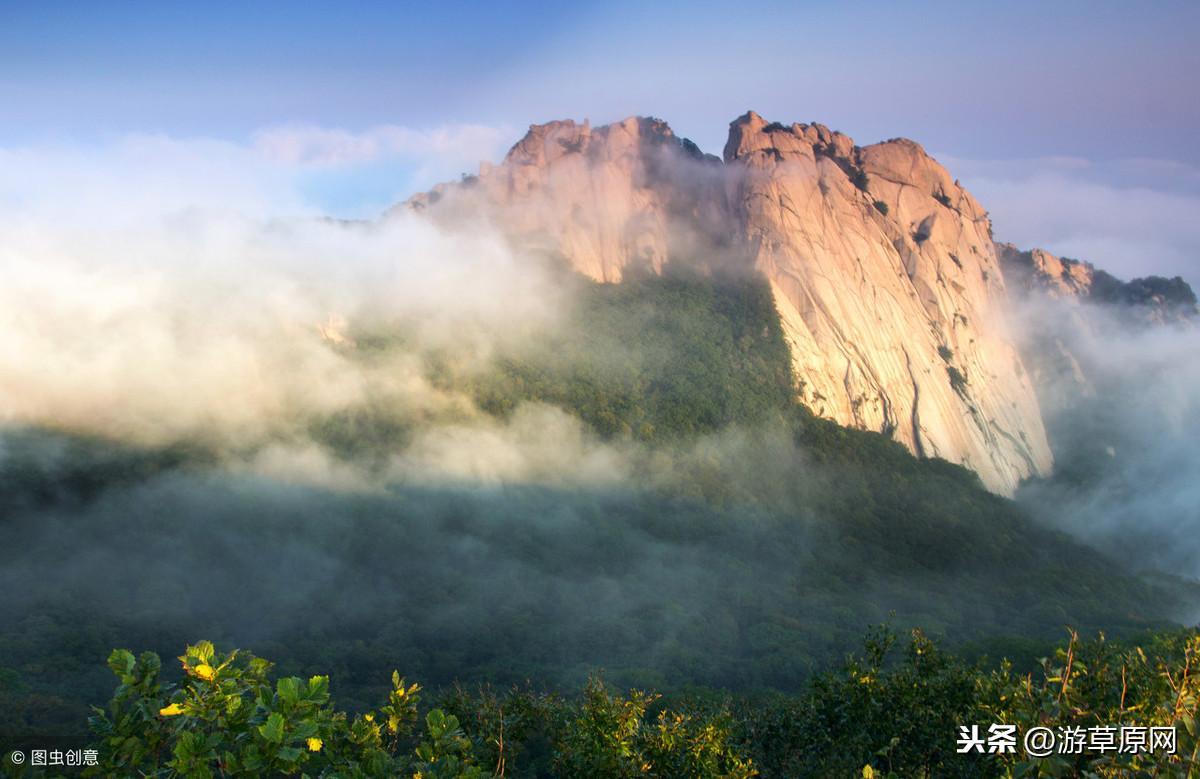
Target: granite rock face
608 198
883 268
891 294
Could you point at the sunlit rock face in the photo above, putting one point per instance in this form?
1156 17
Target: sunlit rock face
629 194
890 292
882 266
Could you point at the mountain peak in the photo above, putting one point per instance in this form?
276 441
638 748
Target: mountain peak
544 143
751 133
881 265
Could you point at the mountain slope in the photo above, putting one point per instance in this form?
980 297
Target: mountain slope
882 268
747 546
1149 300
1111 361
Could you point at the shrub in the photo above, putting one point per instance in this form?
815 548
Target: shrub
883 715
890 710
1095 683
958 379
881 207
225 717
610 736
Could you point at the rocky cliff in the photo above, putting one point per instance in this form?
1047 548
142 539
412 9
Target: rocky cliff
1149 300
607 198
882 266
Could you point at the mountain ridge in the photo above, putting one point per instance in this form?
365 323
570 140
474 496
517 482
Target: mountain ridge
1153 299
881 265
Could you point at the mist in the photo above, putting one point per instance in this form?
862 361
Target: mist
151 319
231 418
1118 391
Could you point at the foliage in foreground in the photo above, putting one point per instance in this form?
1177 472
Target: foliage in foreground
900 716
885 713
225 718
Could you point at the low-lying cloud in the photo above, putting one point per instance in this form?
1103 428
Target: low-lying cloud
200 322
1131 217
161 289
1120 401
286 170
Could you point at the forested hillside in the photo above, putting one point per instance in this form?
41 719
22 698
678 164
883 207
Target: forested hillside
892 709
724 537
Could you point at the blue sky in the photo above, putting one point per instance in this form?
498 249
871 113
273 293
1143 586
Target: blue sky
1000 88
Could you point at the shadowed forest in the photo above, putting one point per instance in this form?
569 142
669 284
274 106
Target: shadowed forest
681 525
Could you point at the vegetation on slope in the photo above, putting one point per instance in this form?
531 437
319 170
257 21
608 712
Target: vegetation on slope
743 544
654 358
884 713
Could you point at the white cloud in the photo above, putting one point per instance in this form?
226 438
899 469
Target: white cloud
278 172
332 147
136 176
1131 217
158 287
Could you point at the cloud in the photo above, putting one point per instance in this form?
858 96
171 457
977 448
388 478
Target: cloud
1119 399
278 172
135 177
158 288
360 174
1131 217
330 147
215 324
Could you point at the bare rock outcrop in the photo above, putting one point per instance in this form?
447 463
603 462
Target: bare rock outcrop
890 292
607 198
1151 300
882 266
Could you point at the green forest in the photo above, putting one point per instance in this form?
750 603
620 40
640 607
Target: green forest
701 614
885 712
